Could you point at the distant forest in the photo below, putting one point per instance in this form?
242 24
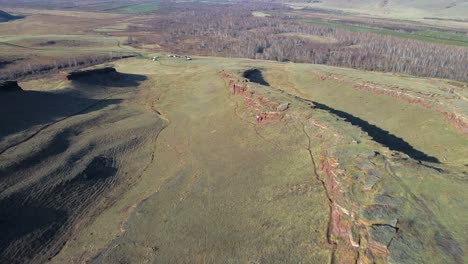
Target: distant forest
232 30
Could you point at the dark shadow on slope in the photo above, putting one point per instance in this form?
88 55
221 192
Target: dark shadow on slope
111 79
16 222
23 110
255 75
57 145
379 135
36 221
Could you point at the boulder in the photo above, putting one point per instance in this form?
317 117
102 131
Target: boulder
9 86
282 107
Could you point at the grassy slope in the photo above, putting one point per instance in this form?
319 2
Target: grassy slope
223 188
426 129
48 130
226 180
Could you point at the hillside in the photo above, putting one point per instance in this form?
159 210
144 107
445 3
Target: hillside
453 9
5 17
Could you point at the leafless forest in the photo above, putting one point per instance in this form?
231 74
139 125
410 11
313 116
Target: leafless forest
232 30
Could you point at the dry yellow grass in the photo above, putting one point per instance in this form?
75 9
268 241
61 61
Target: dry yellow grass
260 14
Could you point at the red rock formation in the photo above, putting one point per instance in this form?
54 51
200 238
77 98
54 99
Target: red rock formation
266 117
367 87
263 107
456 120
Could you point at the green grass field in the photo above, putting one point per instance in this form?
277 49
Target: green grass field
443 35
138 8
426 35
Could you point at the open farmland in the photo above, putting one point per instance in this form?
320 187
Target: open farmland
460 39
399 9
26 55
137 8
50 48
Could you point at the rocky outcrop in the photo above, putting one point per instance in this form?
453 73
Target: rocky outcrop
265 110
282 107
9 86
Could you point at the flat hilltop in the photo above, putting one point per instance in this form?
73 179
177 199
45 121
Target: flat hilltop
167 152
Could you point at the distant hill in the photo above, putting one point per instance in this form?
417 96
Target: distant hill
432 5
416 8
5 17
